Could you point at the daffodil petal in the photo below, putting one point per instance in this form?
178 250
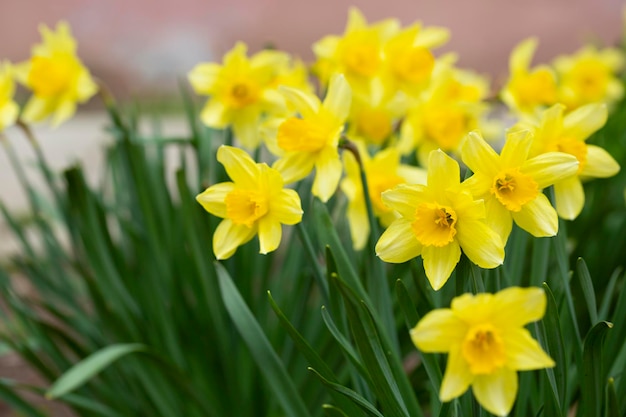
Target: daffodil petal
270 233
294 166
306 104
239 166
498 218
479 156
570 197
229 236
443 171
338 98
523 352
359 223
522 55
515 149
215 114
286 207
398 244
37 109
600 164
584 121
203 77
438 331
550 167
212 199
516 307
538 217
457 378
482 245
64 110
439 262
404 198
328 173
246 129
496 392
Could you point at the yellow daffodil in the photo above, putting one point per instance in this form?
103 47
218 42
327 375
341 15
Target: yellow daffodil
555 131
254 202
8 108
528 89
408 59
487 344
56 76
451 108
511 184
589 76
383 172
436 221
311 141
358 54
241 91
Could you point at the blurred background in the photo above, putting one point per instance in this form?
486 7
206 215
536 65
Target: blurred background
142 46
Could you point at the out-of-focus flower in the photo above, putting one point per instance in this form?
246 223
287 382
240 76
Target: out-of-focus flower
555 131
383 172
241 91
56 76
8 108
311 141
487 344
436 221
528 89
511 184
589 76
254 202
452 107
358 54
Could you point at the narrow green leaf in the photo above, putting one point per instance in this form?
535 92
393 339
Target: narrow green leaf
89 367
612 404
348 393
266 358
592 377
332 411
588 291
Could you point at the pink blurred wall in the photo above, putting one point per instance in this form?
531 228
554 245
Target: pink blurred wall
139 45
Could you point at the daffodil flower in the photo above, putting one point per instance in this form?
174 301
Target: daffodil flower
487 344
8 107
528 88
312 141
555 131
241 91
511 184
254 202
436 221
56 76
383 172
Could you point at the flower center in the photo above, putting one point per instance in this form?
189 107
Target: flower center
50 76
246 206
242 93
374 124
578 148
445 127
537 87
434 224
414 65
362 58
483 349
514 189
301 135
590 78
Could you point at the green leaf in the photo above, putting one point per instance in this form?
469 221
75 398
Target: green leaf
332 411
612 404
587 287
9 397
266 358
89 367
592 378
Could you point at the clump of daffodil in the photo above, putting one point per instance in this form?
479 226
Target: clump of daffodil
437 221
311 142
241 91
9 109
487 344
589 76
383 172
253 203
452 107
358 54
556 131
56 76
528 89
511 183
